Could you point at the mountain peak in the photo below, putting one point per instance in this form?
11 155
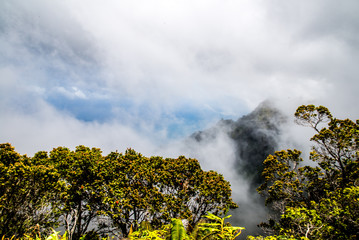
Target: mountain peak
255 136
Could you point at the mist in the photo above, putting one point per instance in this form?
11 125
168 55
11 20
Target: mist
236 148
147 75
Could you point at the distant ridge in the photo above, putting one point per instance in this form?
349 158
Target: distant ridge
255 135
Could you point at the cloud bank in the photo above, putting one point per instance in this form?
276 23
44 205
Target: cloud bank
160 70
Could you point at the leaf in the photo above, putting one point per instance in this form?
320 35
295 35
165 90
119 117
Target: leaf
177 230
53 236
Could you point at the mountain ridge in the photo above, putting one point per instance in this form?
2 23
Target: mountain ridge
255 136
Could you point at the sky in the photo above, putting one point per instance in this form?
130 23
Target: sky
145 74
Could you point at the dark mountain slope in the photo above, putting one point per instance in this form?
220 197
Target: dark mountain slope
255 135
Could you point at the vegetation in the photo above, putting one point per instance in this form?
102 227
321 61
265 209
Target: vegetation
130 195
88 193
321 201
27 191
217 228
212 228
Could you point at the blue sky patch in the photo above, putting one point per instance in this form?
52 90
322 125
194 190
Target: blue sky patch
84 109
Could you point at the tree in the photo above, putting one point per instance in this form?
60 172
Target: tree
155 190
129 195
318 202
82 185
88 193
27 192
336 146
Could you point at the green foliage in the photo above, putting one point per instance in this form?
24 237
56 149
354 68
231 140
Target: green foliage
177 230
318 202
81 184
27 192
214 228
146 232
273 238
157 190
113 193
53 235
218 229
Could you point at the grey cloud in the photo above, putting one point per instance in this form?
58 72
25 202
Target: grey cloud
42 37
225 56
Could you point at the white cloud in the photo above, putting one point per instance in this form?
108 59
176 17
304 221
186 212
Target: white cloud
150 60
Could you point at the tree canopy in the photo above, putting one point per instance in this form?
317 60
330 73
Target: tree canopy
87 192
321 201
27 191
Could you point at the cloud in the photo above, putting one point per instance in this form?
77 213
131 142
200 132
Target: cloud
175 67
